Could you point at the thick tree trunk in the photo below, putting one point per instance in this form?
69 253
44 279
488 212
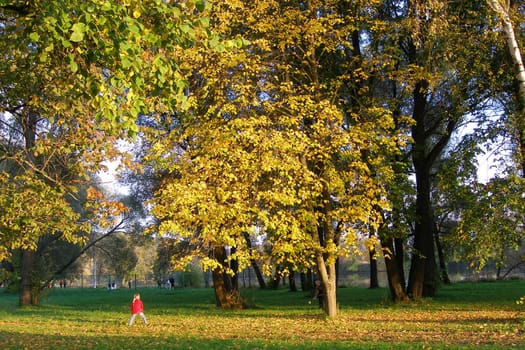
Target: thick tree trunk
328 280
221 294
330 304
27 295
396 279
227 294
416 277
423 271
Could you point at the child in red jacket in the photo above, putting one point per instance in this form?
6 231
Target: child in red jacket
137 308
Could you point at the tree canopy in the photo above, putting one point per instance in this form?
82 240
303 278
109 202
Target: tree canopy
75 76
285 133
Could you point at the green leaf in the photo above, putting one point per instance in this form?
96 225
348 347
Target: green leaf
78 32
214 42
66 43
126 62
239 43
185 28
34 37
72 63
107 6
134 28
204 21
181 84
200 5
44 57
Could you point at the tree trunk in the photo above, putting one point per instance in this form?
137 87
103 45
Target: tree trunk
374 282
221 294
423 271
441 257
233 281
257 270
227 294
399 246
396 279
519 68
28 256
276 278
514 49
422 276
328 280
291 278
26 285
307 280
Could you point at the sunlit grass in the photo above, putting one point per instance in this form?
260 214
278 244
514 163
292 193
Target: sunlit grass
466 315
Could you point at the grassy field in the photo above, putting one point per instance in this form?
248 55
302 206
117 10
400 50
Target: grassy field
465 315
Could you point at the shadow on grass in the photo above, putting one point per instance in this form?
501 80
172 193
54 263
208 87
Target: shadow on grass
10 340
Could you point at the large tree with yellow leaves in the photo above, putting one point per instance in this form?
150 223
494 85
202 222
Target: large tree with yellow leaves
273 146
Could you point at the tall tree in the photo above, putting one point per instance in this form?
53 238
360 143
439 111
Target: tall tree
74 77
482 226
508 15
269 148
438 79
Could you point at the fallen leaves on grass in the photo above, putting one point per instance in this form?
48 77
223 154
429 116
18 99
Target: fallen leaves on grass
457 328
194 323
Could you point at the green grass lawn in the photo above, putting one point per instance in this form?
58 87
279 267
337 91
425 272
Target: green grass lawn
465 315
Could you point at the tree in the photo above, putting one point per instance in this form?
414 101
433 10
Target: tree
116 256
75 76
267 149
438 78
504 12
482 226
491 223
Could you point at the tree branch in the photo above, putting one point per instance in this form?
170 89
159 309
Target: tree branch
70 262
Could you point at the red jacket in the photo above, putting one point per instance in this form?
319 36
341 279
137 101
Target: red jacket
137 306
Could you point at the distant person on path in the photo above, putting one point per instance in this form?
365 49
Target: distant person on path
319 293
137 308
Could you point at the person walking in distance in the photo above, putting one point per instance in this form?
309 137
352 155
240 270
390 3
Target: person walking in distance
137 308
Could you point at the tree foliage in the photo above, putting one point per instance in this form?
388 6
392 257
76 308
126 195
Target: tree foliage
270 147
276 131
75 75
